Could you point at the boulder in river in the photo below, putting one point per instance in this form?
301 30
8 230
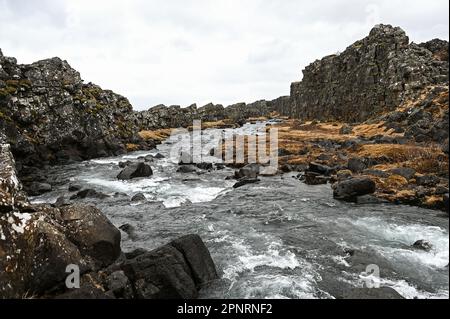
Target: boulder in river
248 171
173 271
135 170
350 189
312 178
138 197
422 245
245 181
94 234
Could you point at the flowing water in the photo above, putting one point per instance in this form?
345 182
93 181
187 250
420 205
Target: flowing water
278 238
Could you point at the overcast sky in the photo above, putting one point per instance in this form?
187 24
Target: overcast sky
200 51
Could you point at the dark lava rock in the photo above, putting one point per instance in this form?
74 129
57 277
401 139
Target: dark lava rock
138 197
422 245
35 189
94 234
405 172
129 230
427 180
356 165
187 169
249 171
245 181
135 170
137 252
173 271
74 187
372 293
349 190
198 258
312 178
88 193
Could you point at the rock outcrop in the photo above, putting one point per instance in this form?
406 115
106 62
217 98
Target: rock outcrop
50 116
373 75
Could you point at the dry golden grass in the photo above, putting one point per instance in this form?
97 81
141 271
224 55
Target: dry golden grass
132 147
157 135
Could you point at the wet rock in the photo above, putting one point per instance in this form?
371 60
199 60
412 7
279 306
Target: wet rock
138 197
349 190
250 171
245 181
422 245
198 258
35 189
74 188
88 193
135 170
94 234
405 172
187 169
356 165
312 178
173 271
372 293
427 180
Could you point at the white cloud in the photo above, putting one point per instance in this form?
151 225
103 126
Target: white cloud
221 51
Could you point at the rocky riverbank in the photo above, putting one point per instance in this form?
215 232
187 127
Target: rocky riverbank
372 120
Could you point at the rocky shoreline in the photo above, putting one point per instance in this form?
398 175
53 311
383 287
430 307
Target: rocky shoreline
372 120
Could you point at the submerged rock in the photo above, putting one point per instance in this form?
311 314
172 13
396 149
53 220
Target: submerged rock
249 171
422 245
138 197
88 193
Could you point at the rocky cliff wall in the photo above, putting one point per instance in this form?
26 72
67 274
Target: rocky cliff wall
372 76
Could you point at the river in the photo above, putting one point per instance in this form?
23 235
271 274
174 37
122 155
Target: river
278 238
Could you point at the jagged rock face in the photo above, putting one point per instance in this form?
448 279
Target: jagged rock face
50 116
374 75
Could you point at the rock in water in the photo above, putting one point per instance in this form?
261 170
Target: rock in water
135 170
422 245
138 197
173 271
245 181
349 190
248 171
